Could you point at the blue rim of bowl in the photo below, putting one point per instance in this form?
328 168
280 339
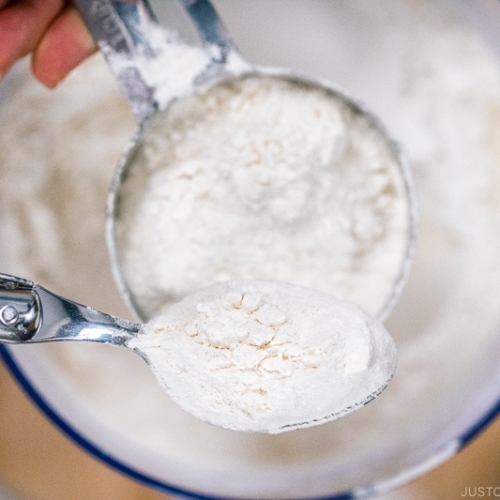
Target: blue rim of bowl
67 429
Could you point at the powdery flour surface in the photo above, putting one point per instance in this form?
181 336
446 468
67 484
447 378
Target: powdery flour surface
267 356
263 178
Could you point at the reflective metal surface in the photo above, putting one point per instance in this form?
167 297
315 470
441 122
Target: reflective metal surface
120 27
30 313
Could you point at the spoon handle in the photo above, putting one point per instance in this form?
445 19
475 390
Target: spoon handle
30 313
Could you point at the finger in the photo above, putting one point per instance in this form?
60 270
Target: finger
21 25
65 44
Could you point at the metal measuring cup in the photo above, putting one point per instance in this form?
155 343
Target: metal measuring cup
123 31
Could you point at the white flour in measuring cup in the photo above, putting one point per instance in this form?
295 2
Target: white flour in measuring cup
443 103
264 178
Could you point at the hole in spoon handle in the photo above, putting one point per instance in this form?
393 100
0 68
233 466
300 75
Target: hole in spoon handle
20 312
211 29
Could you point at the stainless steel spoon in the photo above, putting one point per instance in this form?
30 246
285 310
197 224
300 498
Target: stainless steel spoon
123 31
30 314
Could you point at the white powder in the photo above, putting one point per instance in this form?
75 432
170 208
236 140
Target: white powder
443 103
263 178
266 356
169 67
174 67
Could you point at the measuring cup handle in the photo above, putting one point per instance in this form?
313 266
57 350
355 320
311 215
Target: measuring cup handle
118 28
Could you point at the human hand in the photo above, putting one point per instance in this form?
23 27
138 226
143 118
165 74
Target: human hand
51 30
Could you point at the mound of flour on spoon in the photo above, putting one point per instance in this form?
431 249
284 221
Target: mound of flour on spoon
266 356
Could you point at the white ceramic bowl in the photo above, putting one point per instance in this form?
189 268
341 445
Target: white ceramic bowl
447 386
